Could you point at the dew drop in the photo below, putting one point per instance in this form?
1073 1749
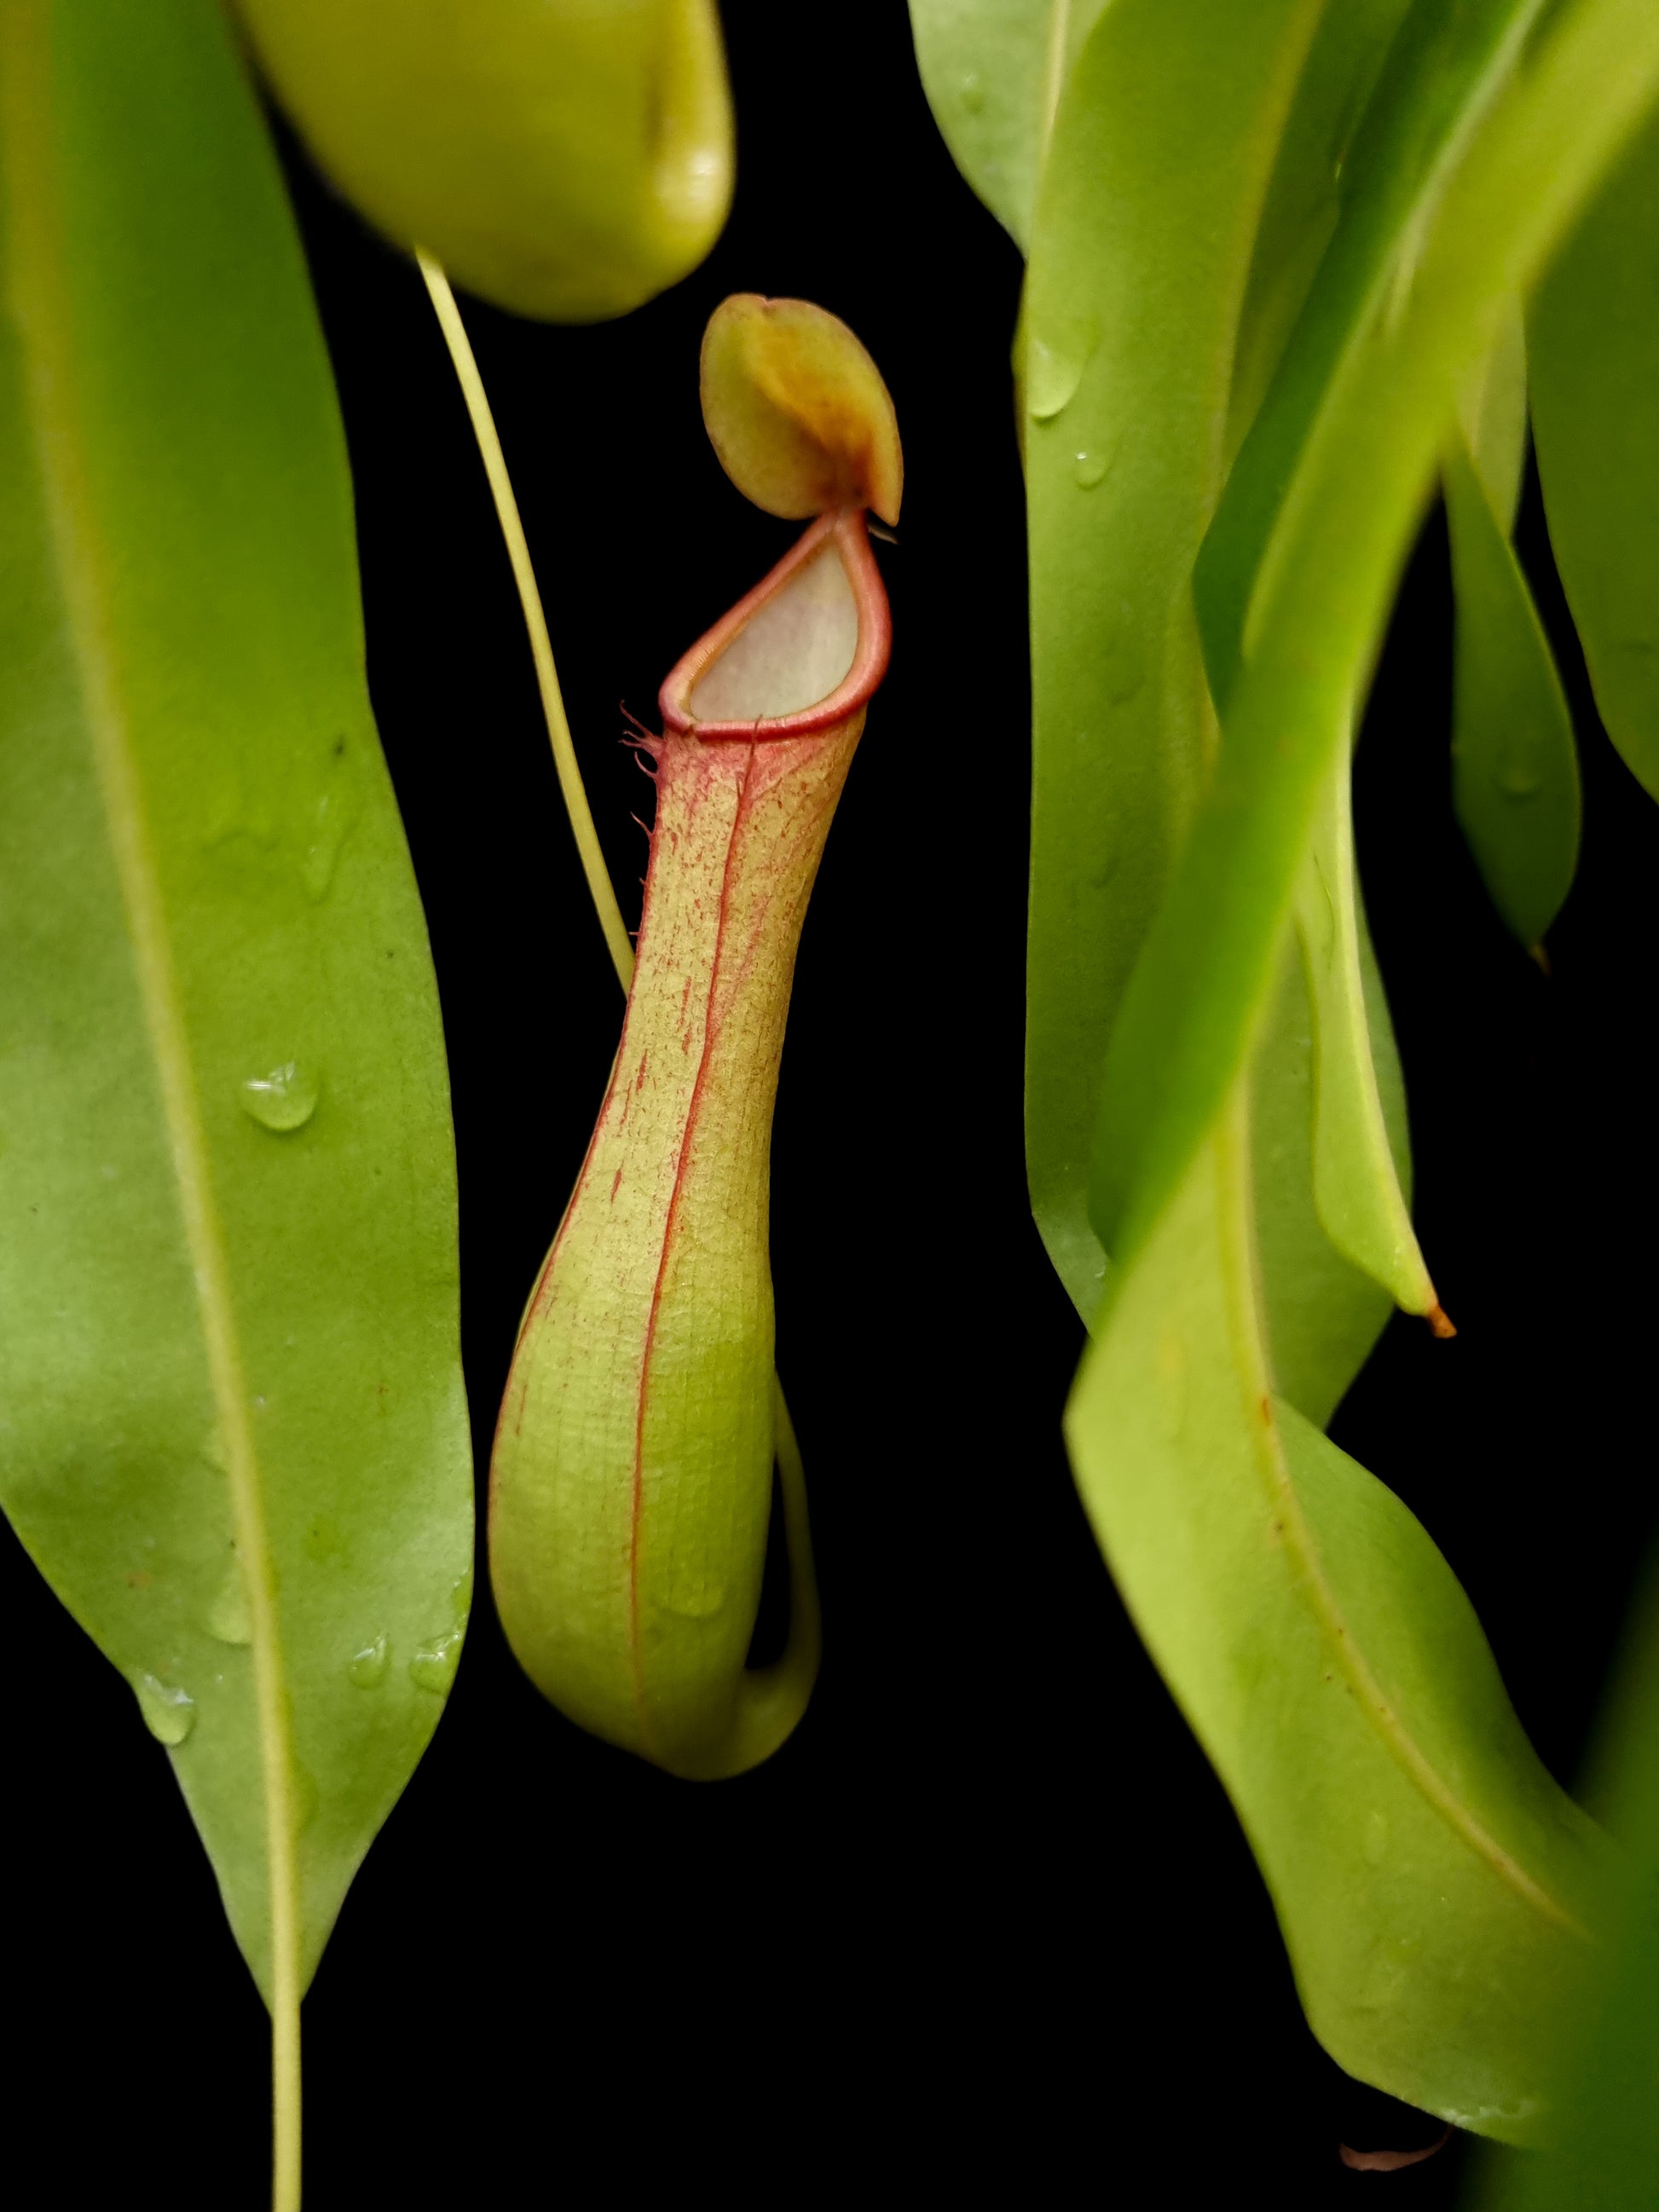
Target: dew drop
1053 374
331 819
229 1618
169 1712
367 1666
285 1099
328 835
1090 469
460 1597
432 1668
973 93
695 1596
1377 1838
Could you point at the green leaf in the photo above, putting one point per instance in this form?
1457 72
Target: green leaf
1594 333
1202 987
1303 200
994 72
1515 765
232 1433
1492 415
1351 1121
1161 155
1432 1882
1357 1191
1132 537
1442 74
1324 1314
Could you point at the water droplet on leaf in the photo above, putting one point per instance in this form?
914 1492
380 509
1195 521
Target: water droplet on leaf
1053 374
228 1617
331 817
1090 469
285 1099
973 93
432 1668
695 1596
367 1668
169 1712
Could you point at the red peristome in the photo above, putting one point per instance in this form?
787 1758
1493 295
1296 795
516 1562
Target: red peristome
875 644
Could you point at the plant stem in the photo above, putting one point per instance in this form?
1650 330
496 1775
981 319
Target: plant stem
541 646
285 2098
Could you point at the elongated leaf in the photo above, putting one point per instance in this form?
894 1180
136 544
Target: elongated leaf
1515 764
1202 984
1139 263
1442 74
233 1433
1349 1123
1358 1192
1594 333
1432 1882
1324 1314
1492 417
994 72
1300 211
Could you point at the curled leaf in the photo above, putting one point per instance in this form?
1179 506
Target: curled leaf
1358 1190
1322 1314
1515 764
1433 1884
797 409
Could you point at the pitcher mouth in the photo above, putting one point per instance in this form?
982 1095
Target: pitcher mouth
812 625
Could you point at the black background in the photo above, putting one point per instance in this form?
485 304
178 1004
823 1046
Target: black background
985 1922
